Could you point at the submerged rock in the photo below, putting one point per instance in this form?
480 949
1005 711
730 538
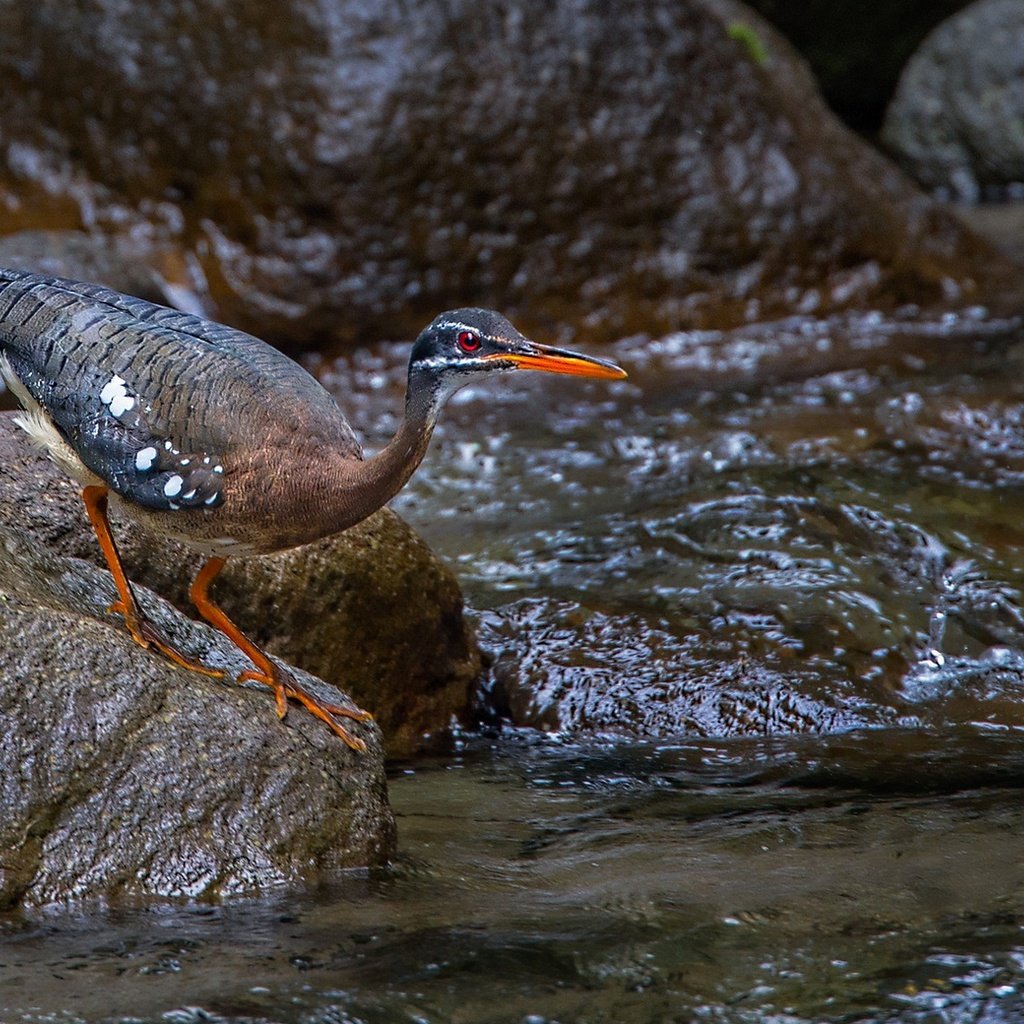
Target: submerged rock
575 671
371 610
341 173
956 120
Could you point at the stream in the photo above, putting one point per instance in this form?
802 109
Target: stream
749 746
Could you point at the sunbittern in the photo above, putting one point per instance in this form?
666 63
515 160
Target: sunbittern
208 435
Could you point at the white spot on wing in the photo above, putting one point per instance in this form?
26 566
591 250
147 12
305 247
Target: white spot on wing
116 398
112 389
145 458
173 486
121 404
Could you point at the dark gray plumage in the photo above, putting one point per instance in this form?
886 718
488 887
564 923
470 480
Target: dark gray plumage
209 435
119 375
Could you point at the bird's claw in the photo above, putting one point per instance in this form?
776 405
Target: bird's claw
146 635
285 685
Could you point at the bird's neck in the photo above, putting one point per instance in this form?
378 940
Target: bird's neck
377 480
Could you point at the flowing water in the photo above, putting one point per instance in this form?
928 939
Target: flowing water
750 746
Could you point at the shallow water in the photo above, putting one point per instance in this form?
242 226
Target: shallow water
749 749
865 877
823 535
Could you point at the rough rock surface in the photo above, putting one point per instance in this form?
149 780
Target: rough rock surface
371 611
857 60
159 275
120 773
957 119
342 171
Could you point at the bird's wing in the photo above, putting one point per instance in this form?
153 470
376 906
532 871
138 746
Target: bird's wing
106 428
140 392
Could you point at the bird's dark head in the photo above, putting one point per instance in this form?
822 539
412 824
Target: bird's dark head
462 345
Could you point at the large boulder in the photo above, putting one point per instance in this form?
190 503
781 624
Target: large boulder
341 173
120 773
956 121
856 59
371 611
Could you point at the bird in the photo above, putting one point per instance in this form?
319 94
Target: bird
203 433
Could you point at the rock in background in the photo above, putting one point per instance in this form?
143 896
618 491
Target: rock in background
957 119
158 274
857 53
336 173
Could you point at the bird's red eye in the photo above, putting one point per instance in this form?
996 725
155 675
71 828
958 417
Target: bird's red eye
469 341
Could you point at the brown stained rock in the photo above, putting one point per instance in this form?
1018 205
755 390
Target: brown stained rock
120 773
371 610
343 171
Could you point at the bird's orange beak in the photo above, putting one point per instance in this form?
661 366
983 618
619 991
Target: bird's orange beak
531 356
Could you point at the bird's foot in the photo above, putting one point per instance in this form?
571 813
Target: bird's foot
146 635
285 685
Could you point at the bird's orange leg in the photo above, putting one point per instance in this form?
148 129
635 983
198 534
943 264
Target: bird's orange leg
267 672
143 632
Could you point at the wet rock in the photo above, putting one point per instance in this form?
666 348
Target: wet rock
848 561
133 267
120 773
789 614
564 668
371 611
777 625
955 121
341 173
